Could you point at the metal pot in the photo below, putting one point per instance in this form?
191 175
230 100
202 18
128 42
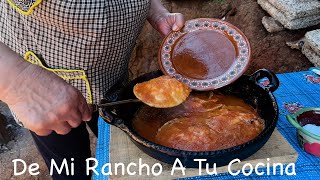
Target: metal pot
246 87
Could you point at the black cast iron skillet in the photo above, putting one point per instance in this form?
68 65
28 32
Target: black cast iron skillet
246 87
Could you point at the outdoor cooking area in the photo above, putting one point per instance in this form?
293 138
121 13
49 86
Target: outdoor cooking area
234 94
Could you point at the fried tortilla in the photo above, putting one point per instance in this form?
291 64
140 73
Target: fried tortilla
162 92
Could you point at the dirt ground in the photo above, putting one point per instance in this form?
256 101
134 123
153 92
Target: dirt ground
269 51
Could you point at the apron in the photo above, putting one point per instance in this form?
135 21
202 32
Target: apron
88 43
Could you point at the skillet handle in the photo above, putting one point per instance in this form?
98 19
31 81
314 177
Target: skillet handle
106 116
265 73
109 117
112 119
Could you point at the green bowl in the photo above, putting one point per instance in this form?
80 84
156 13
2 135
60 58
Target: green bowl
307 140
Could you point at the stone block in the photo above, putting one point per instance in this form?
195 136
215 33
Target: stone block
289 24
312 38
313 57
271 24
295 9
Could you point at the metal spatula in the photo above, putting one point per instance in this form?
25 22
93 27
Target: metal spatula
110 104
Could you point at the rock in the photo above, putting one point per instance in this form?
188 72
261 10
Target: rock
271 24
289 24
311 55
313 40
296 9
296 44
311 48
272 11
303 22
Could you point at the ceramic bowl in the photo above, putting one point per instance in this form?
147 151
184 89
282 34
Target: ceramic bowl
308 141
206 54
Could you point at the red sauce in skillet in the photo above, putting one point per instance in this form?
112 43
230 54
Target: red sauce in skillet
207 121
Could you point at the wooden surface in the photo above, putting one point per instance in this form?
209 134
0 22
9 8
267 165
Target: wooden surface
122 150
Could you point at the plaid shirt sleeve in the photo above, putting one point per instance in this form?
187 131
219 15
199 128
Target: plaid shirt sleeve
96 36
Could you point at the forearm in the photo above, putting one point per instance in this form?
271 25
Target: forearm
156 10
11 65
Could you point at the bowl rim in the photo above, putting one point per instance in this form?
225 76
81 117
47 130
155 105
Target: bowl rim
292 118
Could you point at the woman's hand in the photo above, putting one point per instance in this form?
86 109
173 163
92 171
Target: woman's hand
167 22
44 102
164 21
